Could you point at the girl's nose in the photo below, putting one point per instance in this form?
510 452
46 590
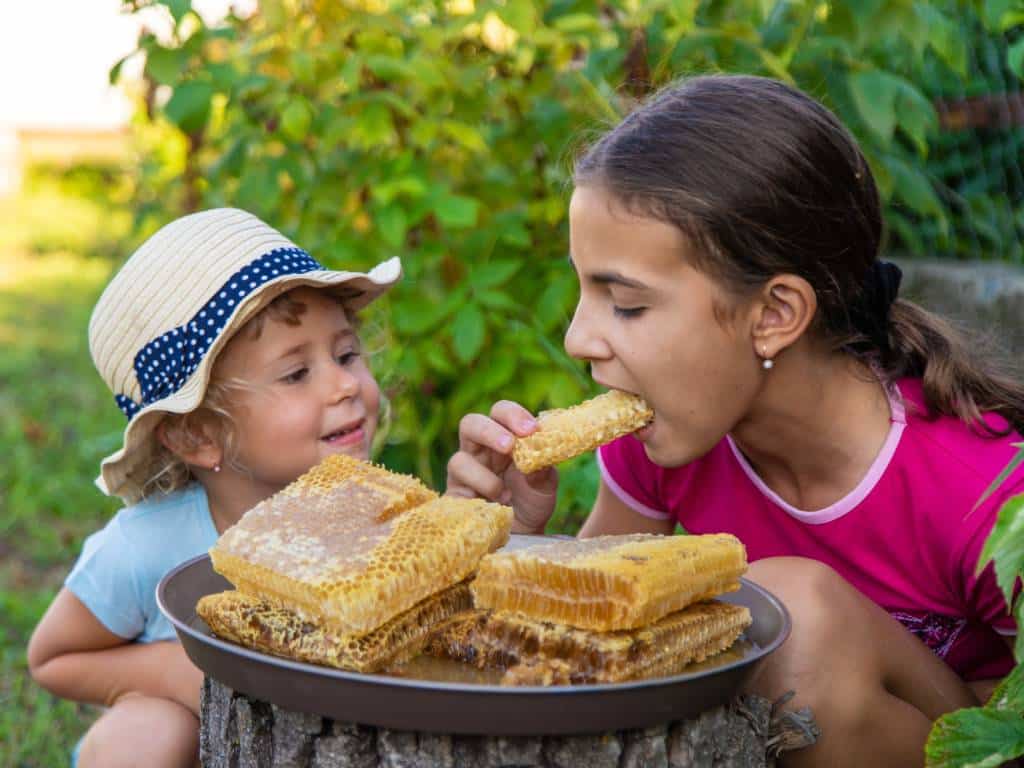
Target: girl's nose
582 340
343 384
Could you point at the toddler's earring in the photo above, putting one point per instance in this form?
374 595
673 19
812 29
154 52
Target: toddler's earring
767 362
216 467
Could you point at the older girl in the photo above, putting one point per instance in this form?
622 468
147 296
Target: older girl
726 237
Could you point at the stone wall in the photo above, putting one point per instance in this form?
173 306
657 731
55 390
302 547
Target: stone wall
985 297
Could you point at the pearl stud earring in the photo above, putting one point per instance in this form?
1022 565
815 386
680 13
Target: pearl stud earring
767 362
216 468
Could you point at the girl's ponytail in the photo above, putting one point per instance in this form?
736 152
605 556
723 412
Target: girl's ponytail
958 376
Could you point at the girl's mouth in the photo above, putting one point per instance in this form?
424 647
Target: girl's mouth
644 433
352 435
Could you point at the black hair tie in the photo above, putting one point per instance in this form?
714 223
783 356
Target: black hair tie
870 315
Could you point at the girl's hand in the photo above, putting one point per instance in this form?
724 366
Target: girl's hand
483 466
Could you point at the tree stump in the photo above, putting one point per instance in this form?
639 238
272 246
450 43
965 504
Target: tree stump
240 732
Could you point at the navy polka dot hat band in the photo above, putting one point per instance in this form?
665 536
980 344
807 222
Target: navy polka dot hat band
166 362
165 315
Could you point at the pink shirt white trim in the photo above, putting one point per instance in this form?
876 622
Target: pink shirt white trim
905 536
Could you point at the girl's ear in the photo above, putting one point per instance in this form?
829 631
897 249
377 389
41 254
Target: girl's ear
191 441
784 309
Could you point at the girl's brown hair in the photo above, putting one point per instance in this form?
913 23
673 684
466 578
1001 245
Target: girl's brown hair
764 180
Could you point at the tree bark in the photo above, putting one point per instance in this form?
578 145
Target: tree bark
239 732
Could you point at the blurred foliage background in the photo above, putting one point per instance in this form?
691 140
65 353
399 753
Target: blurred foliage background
443 132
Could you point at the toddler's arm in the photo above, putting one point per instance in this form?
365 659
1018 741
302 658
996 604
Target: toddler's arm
74 656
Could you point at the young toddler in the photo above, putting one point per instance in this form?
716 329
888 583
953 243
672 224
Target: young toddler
235 357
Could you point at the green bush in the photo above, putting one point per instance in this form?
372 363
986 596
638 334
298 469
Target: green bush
441 132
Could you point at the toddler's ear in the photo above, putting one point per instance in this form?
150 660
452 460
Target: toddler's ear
190 440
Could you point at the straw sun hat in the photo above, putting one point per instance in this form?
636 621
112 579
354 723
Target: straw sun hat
168 312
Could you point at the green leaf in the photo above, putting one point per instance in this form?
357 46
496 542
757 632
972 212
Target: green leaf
178 8
393 224
296 119
975 738
389 68
913 187
466 135
468 331
1009 469
874 94
917 116
1005 544
456 211
1018 645
164 65
552 310
189 106
498 300
1015 58
493 273
373 127
498 371
944 36
115 71
437 358
1009 694
1000 14
409 186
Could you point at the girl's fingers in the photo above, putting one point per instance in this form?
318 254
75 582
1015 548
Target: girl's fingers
478 435
513 416
468 477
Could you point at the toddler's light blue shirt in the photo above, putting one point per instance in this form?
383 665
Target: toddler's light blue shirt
120 566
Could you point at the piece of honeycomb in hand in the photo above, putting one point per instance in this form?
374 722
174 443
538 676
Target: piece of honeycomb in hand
610 582
348 548
542 653
567 432
257 624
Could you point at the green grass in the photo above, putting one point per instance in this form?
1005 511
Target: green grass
58 244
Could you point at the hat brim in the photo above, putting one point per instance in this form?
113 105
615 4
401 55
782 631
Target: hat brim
121 472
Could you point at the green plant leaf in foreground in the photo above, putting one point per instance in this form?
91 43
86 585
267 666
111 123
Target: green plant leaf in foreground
1006 545
1009 694
1001 478
975 738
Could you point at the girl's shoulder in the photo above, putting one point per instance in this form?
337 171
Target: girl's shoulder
962 452
161 526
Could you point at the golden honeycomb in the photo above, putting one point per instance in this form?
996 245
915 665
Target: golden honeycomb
610 582
541 653
257 624
567 432
348 546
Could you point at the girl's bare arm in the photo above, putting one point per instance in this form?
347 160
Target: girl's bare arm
74 656
611 515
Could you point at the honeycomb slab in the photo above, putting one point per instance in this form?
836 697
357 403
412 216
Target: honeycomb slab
541 653
566 432
610 583
257 624
348 545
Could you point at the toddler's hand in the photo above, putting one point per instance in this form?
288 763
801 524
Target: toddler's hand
483 466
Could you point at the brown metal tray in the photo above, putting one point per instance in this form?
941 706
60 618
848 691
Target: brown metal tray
438 705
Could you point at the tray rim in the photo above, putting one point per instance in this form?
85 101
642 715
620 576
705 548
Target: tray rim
420 684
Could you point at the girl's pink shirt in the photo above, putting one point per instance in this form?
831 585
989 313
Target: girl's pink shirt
905 536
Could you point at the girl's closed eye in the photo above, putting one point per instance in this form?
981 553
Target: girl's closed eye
627 312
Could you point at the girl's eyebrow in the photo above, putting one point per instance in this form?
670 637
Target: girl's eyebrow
612 278
300 348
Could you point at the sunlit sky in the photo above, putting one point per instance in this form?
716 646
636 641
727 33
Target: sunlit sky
55 56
